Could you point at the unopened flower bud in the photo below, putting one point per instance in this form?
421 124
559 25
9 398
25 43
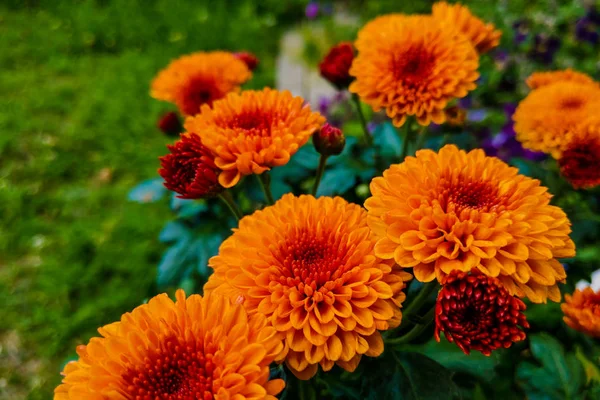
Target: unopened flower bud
335 67
329 140
248 58
170 124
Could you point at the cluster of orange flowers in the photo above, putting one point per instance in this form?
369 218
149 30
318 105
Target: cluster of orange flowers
311 281
414 65
560 117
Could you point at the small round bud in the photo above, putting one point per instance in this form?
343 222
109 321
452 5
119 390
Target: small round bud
170 124
335 67
248 58
455 116
329 140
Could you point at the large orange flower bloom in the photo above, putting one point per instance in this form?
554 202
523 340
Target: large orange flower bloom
199 78
412 65
308 265
582 311
253 131
540 79
545 119
452 210
484 37
195 348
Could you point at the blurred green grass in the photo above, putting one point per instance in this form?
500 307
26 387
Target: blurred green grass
78 132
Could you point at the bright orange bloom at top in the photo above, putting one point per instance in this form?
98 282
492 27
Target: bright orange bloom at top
199 78
194 348
540 79
484 37
412 65
452 210
253 131
308 265
582 311
546 118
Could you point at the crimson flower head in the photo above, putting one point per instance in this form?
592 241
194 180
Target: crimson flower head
248 58
190 169
335 67
170 124
477 313
329 140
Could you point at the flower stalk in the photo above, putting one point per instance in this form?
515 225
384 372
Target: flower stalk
264 180
227 198
320 171
363 121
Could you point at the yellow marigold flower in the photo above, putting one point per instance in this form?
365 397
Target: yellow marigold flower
200 348
253 131
484 37
308 265
582 311
545 119
540 79
412 65
199 78
452 210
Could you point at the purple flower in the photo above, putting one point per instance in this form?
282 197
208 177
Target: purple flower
587 29
312 10
505 145
544 48
521 31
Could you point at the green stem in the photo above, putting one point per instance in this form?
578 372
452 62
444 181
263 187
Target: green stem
264 180
416 331
421 136
363 120
227 198
320 170
406 140
415 305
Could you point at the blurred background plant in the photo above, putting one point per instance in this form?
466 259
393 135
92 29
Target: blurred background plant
79 132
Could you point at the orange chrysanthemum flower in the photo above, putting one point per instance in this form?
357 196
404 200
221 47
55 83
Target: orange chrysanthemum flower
580 161
200 78
545 119
452 210
307 264
253 131
582 311
194 348
484 37
540 79
412 65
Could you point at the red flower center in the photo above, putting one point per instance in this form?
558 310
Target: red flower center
176 371
412 66
311 260
254 123
571 103
197 93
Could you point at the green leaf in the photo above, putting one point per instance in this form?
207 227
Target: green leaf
420 377
452 357
592 372
556 375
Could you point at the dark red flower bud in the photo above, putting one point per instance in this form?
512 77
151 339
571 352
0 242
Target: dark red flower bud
170 124
248 58
477 313
190 169
329 140
335 67
580 164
